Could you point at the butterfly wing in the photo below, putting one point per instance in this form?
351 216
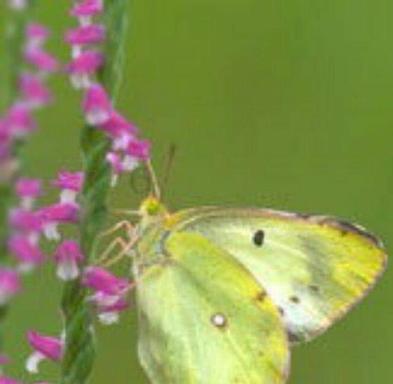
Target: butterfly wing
204 319
315 268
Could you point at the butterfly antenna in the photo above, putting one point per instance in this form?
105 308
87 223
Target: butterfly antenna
170 157
154 180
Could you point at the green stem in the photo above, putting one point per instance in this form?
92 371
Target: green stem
80 345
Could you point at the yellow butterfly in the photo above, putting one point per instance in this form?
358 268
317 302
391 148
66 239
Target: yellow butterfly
222 293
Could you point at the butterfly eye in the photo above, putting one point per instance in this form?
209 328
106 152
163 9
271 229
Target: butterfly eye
259 237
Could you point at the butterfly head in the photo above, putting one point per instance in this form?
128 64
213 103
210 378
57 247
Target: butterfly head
152 207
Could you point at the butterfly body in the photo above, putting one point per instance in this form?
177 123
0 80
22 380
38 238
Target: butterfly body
222 293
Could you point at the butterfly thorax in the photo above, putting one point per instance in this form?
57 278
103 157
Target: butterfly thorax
154 226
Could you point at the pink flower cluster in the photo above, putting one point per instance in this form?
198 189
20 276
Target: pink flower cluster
128 150
28 225
31 224
19 122
109 293
44 348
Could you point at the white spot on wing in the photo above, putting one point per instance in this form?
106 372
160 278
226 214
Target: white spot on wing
219 320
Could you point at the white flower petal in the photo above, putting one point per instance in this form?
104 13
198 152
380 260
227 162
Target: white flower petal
130 163
33 361
68 196
108 318
51 232
67 271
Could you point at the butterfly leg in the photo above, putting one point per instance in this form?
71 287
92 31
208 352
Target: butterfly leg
124 224
126 250
118 242
128 212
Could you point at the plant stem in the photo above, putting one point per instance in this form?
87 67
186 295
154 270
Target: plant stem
80 345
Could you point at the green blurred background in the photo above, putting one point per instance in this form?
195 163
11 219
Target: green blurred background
270 103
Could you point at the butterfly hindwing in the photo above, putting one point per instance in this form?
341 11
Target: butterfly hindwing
204 319
314 268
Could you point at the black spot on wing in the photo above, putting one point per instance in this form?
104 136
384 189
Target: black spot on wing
293 338
294 299
258 238
304 216
314 288
261 296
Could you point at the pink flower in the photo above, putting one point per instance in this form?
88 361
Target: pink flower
86 9
136 151
72 181
86 34
120 129
101 280
4 360
5 153
109 293
139 149
34 92
71 184
10 285
68 257
26 252
43 61
8 380
116 163
20 120
28 190
97 105
36 34
24 220
83 66
62 213
5 140
5 135
45 348
55 214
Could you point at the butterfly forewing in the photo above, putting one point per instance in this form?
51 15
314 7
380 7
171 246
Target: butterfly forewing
314 268
205 319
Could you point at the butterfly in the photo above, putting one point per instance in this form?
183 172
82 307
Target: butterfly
223 293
